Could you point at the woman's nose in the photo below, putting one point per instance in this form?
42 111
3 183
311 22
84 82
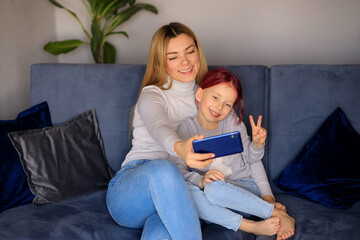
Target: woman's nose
184 60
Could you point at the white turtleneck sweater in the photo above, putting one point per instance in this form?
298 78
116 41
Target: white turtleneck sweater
157 115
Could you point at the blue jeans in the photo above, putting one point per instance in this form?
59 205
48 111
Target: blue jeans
152 194
225 203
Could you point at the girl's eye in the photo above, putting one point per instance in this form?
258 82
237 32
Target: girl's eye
214 97
229 105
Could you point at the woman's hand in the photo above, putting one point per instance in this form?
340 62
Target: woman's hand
210 176
277 205
258 133
184 149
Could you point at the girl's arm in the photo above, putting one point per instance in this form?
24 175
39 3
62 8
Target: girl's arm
258 173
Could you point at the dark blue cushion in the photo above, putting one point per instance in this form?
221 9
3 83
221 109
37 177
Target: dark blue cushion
327 169
13 184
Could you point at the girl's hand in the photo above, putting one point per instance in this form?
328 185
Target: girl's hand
277 205
210 176
184 149
258 133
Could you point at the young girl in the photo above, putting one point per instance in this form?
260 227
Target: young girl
231 185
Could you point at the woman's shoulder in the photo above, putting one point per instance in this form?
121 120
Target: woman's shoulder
151 91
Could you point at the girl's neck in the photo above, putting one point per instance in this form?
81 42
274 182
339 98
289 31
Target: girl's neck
205 124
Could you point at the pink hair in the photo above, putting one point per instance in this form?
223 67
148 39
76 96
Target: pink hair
221 75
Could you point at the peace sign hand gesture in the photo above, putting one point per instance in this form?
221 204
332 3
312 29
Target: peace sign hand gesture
258 133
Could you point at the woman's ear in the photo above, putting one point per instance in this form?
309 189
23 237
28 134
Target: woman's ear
198 94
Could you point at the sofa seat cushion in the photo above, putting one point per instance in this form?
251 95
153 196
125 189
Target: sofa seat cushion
85 217
315 221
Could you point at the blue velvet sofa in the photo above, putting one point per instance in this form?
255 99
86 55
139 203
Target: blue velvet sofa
294 100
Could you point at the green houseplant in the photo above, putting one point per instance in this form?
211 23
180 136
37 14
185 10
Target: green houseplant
106 16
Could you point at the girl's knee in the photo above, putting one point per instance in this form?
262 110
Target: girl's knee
212 191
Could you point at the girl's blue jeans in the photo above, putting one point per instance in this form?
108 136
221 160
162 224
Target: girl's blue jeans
152 194
227 203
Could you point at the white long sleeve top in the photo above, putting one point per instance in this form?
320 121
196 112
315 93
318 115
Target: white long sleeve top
157 115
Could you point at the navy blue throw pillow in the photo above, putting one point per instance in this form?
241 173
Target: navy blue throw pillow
327 169
13 183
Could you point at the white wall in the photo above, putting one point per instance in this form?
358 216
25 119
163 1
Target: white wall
266 32
25 26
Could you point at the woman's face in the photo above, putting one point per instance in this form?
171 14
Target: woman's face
182 58
215 104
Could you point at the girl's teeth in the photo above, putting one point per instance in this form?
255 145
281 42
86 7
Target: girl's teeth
214 113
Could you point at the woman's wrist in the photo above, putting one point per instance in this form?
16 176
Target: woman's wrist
178 147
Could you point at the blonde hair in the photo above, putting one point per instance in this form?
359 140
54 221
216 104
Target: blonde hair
156 67
156 70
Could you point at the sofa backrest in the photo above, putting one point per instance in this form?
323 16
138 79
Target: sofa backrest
71 89
301 98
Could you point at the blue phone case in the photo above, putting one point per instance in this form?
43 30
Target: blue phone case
220 145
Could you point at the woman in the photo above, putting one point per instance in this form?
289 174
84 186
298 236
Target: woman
149 191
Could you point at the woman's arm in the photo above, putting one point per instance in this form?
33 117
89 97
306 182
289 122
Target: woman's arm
153 110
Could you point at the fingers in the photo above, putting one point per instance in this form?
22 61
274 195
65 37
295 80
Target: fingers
214 175
259 121
196 137
198 163
252 122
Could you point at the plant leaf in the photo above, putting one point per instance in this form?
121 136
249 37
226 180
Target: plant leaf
96 40
115 8
59 47
126 14
121 32
131 2
109 53
56 3
72 13
61 6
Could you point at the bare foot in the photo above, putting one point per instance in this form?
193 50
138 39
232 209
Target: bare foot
266 227
287 225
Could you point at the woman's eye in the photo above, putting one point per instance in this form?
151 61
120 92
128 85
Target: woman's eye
229 105
191 52
173 58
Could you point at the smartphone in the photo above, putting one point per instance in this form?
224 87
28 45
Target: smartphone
220 145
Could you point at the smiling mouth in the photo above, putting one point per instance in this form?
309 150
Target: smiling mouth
186 70
214 114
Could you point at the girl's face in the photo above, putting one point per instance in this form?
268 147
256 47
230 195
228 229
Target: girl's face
182 58
215 104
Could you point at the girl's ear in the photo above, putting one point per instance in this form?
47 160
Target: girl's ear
198 94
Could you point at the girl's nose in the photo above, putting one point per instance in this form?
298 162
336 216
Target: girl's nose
218 106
